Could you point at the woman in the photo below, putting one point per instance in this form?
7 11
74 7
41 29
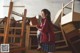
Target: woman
46 34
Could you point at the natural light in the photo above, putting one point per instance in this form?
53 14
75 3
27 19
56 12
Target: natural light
1 8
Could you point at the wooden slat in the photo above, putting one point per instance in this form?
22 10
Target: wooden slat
76 41
33 34
15 27
64 36
1 34
58 51
14 44
59 41
18 14
72 7
13 47
18 49
15 6
27 37
64 51
12 35
34 46
1 27
57 32
23 27
68 3
61 47
33 26
68 7
8 23
33 31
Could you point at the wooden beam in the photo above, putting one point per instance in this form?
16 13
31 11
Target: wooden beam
16 6
17 50
23 27
13 35
68 7
18 14
63 34
62 13
1 34
71 2
72 7
27 37
15 27
8 23
68 4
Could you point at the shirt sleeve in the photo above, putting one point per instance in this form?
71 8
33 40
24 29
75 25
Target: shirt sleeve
45 26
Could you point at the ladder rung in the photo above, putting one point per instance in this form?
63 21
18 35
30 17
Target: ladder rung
15 27
33 34
57 32
58 47
1 34
1 27
11 35
59 41
33 31
76 41
14 43
33 45
14 47
19 49
33 26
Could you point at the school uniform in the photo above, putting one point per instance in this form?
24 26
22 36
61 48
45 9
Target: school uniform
47 36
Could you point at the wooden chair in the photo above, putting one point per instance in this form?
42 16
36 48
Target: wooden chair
10 37
71 33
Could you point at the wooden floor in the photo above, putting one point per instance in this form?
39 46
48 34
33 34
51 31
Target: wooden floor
34 51
63 52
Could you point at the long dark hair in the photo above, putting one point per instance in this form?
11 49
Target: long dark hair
47 12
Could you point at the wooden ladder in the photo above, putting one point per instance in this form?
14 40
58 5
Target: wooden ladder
18 46
60 43
74 40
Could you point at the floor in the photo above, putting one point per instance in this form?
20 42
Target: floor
34 51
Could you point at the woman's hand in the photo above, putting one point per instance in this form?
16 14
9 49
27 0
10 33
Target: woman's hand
39 29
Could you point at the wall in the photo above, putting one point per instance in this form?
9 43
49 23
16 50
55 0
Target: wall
35 6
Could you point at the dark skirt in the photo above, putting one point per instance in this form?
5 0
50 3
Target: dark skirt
48 47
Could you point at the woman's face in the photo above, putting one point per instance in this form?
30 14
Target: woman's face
43 15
